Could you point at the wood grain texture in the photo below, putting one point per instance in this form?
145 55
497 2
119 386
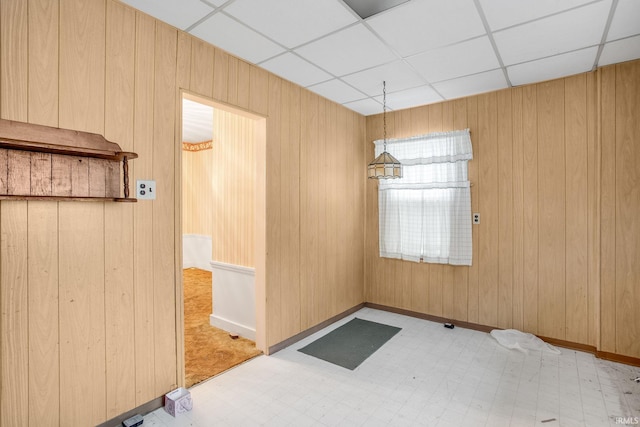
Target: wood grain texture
82 315
143 137
4 171
19 172
551 210
14 318
164 115
198 192
82 65
14 41
202 60
577 269
547 252
40 174
44 333
118 218
627 207
43 62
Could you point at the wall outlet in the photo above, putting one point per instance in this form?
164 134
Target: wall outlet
476 218
145 189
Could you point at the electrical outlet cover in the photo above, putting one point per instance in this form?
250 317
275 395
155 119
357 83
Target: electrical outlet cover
145 189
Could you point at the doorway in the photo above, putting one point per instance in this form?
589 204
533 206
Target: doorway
222 217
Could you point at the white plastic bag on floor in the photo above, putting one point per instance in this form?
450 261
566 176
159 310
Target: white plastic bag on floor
512 338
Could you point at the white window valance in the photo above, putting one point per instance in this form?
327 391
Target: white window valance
426 214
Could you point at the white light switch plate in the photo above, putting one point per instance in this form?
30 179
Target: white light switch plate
145 189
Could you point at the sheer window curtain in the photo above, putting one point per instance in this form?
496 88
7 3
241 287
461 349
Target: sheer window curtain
426 214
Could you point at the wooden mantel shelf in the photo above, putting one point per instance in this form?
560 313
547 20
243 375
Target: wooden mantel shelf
46 163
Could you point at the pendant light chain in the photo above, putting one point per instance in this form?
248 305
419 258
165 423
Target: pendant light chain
384 112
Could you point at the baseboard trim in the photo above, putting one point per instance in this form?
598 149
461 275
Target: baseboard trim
299 336
620 358
437 319
142 410
613 357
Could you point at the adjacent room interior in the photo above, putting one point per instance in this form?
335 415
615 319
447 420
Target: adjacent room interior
218 209
92 294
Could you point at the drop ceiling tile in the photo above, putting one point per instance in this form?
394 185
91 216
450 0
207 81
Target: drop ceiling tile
336 91
626 20
347 51
197 121
565 32
295 69
215 3
411 98
244 43
292 22
189 12
472 85
398 75
620 51
366 107
505 13
420 25
567 64
446 63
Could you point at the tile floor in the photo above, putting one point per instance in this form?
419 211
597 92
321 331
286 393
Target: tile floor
426 375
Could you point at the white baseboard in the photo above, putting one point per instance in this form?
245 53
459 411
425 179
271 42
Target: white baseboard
196 251
230 326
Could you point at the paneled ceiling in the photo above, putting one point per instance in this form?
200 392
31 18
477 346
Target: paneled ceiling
426 50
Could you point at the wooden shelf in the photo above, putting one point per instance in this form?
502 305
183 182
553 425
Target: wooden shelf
46 163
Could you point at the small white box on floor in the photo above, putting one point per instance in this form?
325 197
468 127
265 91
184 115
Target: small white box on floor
178 401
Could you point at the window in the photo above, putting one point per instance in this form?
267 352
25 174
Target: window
426 214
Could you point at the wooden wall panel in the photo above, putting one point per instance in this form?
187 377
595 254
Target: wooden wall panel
142 168
164 116
44 338
82 314
553 252
551 210
488 205
197 192
505 209
231 179
576 129
14 318
627 229
119 220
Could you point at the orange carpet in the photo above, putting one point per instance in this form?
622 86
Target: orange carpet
208 350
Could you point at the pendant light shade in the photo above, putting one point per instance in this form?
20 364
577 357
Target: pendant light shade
384 166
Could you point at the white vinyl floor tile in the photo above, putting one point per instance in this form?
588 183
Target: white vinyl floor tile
426 375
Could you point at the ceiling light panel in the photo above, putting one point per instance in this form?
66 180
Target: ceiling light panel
561 33
367 8
292 22
459 60
472 85
347 51
245 43
420 25
295 69
398 75
626 21
189 12
552 68
337 91
506 13
620 51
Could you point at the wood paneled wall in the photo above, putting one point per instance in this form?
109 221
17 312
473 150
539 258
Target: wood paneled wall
620 227
545 203
233 177
197 192
89 291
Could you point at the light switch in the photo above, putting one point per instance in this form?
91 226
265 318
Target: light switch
145 189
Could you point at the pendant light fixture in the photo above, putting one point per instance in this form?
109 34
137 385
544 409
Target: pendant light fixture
385 165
